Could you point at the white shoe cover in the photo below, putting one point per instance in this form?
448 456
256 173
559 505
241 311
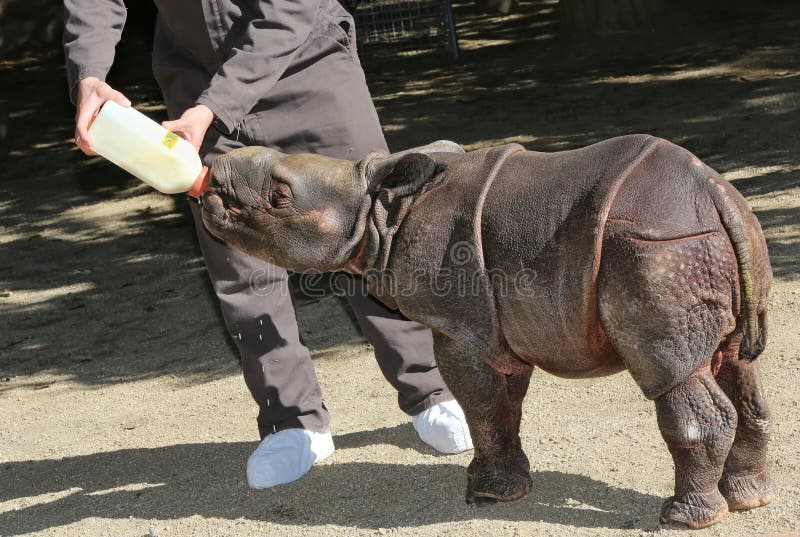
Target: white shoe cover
286 456
444 428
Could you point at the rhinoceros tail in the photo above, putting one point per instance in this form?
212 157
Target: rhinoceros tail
744 238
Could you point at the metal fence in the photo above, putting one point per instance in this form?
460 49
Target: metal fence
393 29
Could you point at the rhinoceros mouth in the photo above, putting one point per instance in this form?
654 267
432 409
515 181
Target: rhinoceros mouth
216 216
214 207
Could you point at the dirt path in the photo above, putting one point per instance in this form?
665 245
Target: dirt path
121 404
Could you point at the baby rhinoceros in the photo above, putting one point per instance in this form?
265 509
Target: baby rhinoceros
627 254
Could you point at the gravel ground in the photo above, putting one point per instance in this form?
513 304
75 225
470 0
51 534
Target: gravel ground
122 410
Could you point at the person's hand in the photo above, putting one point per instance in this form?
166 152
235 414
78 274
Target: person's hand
92 94
192 125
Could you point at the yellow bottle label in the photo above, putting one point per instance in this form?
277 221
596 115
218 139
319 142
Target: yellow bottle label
170 139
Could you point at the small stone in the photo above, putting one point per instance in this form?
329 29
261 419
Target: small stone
153 531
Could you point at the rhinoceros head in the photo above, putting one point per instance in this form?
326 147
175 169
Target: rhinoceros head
305 212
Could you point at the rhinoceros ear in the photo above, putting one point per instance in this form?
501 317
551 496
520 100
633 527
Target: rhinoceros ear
381 167
403 174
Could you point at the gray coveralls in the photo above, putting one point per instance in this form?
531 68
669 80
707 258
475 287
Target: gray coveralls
282 74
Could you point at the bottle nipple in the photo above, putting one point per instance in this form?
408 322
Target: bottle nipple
200 185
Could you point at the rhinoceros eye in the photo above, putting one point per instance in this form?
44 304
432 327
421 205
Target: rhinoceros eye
281 194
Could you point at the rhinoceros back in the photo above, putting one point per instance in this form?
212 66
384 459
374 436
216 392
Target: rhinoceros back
502 250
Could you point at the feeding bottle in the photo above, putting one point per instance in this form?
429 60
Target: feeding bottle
140 146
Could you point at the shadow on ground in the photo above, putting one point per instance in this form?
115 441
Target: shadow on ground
207 480
109 287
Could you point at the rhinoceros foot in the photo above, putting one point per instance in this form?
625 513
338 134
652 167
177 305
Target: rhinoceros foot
694 510
521 461
747 491
504 482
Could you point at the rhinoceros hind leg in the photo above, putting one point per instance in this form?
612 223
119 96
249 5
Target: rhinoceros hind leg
697 422
745 482
496 473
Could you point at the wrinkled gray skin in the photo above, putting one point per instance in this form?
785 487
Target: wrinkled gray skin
629 254
316 227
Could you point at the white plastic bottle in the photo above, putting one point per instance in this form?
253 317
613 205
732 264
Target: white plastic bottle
142 147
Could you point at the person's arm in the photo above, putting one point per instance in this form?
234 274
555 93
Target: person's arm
92 28
257 58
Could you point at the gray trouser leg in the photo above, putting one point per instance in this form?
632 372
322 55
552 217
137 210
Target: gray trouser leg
257 307
404 350
324 108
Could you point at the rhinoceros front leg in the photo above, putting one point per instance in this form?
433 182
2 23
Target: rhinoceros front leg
698 422
496 472
746 482
517 386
